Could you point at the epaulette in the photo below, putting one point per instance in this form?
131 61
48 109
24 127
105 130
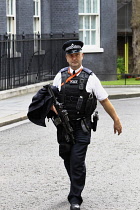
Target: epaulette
64 69
88 71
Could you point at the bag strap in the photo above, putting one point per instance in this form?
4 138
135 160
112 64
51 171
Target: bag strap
72 76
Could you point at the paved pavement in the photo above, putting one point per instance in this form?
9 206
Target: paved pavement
14 103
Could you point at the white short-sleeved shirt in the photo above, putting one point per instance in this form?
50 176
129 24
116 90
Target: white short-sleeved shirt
93 85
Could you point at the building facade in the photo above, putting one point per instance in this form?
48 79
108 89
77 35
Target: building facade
92 21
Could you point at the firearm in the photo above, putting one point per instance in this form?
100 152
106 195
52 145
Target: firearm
62 118
95 119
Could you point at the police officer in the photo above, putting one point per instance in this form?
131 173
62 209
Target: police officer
79 88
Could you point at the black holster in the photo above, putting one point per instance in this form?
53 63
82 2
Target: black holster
95 120
86 124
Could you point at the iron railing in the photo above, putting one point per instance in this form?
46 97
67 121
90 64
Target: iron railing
28 59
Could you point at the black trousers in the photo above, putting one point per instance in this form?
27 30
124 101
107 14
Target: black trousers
75 163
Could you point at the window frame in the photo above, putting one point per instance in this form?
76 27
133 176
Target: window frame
11 17
11 20
37 24
91 47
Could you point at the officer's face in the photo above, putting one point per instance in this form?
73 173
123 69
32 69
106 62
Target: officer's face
75 60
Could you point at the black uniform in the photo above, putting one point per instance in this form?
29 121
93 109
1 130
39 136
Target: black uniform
80 105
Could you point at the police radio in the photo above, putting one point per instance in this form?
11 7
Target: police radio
95 120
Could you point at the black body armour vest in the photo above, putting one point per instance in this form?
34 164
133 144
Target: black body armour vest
76 100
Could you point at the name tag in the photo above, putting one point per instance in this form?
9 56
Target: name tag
73 82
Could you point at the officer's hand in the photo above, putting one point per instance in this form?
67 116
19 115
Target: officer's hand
117 127
54 109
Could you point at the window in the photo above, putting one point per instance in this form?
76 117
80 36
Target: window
11 16
37 22
89 25
11 27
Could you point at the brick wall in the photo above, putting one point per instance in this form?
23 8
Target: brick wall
24 16
46 16
3 26
64 16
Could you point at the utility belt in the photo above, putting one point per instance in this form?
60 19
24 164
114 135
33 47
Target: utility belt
86 125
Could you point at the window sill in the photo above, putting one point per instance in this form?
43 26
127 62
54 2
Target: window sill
40 52
15 55
92 49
